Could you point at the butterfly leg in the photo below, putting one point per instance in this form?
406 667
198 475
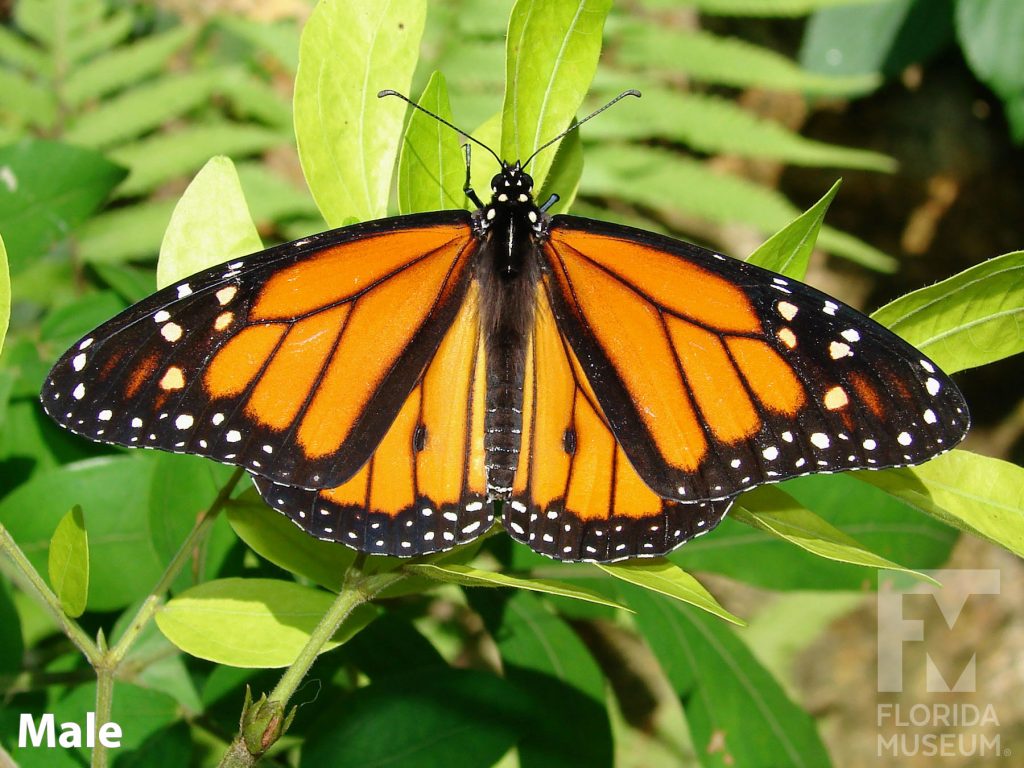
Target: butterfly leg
468 186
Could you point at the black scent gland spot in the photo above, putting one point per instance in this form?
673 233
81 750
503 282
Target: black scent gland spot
419 437
569 441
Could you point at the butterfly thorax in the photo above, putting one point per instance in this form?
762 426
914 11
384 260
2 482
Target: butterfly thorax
510 228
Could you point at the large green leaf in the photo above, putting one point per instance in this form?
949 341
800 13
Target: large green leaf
551 56
435 718
542 656
736 711
788 251
12 645
881 523
650 47
46 190
348 138
713 124
113 493
970 319
276 538
211 224
991 34
672 184
68 562
431 167
26 102
663 577
474 577
772 510
973 493
255 623
182 489
875 38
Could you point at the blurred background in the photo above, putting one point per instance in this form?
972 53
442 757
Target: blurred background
752 109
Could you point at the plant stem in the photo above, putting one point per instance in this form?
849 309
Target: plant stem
265 721
26 577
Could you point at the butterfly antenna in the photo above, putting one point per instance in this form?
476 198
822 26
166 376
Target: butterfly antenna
577 124
407 100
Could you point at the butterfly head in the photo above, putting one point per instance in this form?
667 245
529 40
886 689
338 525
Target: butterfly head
512 185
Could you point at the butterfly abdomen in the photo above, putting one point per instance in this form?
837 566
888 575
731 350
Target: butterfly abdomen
508 279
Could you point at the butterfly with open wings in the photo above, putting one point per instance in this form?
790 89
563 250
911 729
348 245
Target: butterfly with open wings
387 383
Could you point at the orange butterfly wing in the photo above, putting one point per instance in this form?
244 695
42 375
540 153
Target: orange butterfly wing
576 495
293 362
423 489
716 375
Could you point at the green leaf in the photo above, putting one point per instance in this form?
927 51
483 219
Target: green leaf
482 165
551 57
100 35
274 537
970 319
68 562
123 67
429 719
142 109
772 510
474 577
979 494
131 284
5 293
155 160
256 99
47 189
659 575
713 124
182 489
125 234
650 47
881 523
736 711
68 322
272 197
210 225
279 39
563 178
431 167
113 492
991 35
257 623
788 251
670 183
16 50
25 101
348 138
876 38
544 657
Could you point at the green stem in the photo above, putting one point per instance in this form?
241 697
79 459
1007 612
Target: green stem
104 702
30 582
264 721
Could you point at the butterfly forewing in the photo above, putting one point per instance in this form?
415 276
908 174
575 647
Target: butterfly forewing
292 362
577 497
423 489
716 375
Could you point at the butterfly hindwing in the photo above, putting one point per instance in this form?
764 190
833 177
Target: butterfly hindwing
423 489
716 375
577 497
292 362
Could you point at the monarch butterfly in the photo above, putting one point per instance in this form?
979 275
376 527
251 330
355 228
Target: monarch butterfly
386 383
